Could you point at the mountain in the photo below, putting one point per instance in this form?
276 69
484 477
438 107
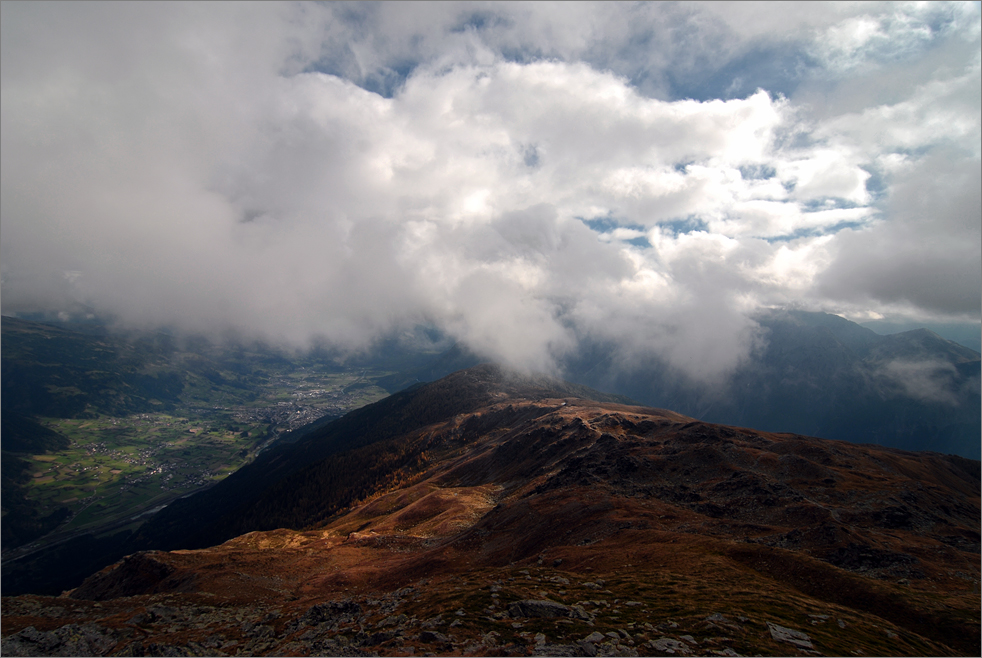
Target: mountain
288 484
319 472
490 514
822 375
22 518
815 374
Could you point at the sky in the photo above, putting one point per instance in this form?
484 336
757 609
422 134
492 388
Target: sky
522 176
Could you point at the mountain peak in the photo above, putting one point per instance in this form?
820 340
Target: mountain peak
496 381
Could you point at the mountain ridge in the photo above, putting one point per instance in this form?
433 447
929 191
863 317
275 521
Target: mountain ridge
233 506
818 374
528 514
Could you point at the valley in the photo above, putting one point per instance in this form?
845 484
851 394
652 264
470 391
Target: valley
489 513
120 469
117 468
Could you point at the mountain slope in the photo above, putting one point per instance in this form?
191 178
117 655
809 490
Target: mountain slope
292 486
318 471
23 519
526 519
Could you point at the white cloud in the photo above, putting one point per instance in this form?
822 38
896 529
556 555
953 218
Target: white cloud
193 168
888 32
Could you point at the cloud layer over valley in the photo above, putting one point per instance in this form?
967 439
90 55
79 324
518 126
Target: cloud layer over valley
520 176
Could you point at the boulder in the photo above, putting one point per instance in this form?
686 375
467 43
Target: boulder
541 609
790 636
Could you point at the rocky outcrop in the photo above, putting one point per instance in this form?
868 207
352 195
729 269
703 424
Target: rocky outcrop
546 610
69 640
790 636
140 573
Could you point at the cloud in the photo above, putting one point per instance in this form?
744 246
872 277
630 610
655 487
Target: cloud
927 381
519 176
926 255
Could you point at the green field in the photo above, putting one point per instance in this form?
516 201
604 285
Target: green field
119 468
116 467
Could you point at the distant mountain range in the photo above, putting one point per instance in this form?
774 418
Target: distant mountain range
817 374
489 513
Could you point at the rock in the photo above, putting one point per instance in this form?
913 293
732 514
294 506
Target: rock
162 649
159 613
69 640
393 620
140 573
433 636
559 650
433 622
718 620
542 609
790 636
377 638
594 637
331 612
669 645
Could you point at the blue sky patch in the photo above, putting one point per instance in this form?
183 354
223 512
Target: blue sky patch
480 20
682 226
814 232
827 203
757 172
777 68
530 156
608 224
